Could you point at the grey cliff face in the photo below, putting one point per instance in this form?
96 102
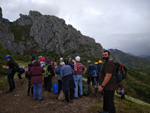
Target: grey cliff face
46 33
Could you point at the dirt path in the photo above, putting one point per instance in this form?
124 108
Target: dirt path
19 102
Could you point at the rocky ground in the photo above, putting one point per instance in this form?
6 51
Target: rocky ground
18 102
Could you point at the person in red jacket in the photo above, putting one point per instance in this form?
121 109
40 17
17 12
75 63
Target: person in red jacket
36 79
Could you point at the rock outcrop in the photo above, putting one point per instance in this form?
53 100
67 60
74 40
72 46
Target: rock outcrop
37 33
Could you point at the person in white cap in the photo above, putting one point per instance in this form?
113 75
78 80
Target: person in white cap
78 68
66 73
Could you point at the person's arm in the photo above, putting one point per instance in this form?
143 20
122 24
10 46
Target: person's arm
5 67
84 70
105 81
87 70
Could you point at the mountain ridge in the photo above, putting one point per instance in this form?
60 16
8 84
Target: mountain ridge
37 33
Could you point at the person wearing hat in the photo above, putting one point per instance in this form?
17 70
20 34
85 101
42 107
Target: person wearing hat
66 73
80 70
58 74
10 65
90 68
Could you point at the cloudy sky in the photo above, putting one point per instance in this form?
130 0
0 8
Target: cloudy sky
117 24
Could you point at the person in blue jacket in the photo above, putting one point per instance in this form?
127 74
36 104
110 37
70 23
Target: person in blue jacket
66 73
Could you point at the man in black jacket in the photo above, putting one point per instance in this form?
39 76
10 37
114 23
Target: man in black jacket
10 65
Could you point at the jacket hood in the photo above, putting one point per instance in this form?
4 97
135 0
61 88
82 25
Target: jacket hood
36 63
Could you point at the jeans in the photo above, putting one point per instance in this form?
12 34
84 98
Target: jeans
78 81
39 86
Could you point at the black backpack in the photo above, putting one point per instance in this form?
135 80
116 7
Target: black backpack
16 67
121 72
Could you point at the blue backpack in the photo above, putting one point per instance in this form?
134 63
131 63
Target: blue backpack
58 69
93 71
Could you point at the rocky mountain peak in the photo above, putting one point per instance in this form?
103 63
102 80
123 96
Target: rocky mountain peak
36 33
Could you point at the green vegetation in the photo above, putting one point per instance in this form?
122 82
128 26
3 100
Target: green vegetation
123 106
20 31
137 85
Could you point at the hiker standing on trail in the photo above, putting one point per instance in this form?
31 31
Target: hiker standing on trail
68 85
58 75
99 67
36 79
50 73
92 78
30 87
10 65
78 68
108 83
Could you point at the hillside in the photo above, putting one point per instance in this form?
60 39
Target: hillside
133 62
18 101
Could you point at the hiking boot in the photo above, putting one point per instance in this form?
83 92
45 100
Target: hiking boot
67 102
76 97
41 99
9 91
72 101
102 111
35 98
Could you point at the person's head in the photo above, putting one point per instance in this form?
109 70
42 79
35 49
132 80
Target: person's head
89 62
36 63
33 58
77 58
106 55
61 59
100 62
42 59
7 58
48 61
62 64
96 63
69 60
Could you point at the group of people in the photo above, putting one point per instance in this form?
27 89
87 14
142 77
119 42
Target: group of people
69 76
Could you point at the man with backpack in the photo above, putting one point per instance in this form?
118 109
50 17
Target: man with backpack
108 83
49 74
11 65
